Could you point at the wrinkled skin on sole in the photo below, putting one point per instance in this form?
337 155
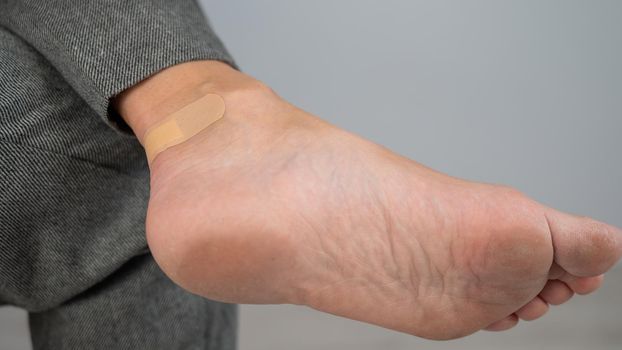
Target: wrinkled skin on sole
272 205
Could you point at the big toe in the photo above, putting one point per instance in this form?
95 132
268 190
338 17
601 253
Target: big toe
583 246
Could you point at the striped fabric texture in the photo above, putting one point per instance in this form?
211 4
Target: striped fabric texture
74 182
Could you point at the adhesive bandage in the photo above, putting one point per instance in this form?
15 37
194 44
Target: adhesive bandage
181 125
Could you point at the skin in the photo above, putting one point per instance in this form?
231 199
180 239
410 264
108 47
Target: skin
273 205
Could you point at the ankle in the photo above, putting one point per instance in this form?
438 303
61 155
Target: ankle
153 99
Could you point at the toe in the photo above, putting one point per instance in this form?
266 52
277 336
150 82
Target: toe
503 324
584 247
556 272
556 292
536 308
583 285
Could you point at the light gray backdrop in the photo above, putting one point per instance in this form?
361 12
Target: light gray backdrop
526 93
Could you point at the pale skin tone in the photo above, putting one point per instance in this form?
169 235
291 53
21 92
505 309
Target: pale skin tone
273 205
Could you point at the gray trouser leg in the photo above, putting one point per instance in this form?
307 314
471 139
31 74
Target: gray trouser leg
137 307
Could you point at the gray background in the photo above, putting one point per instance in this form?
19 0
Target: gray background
526 93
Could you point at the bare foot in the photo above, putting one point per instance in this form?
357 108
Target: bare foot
273 205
